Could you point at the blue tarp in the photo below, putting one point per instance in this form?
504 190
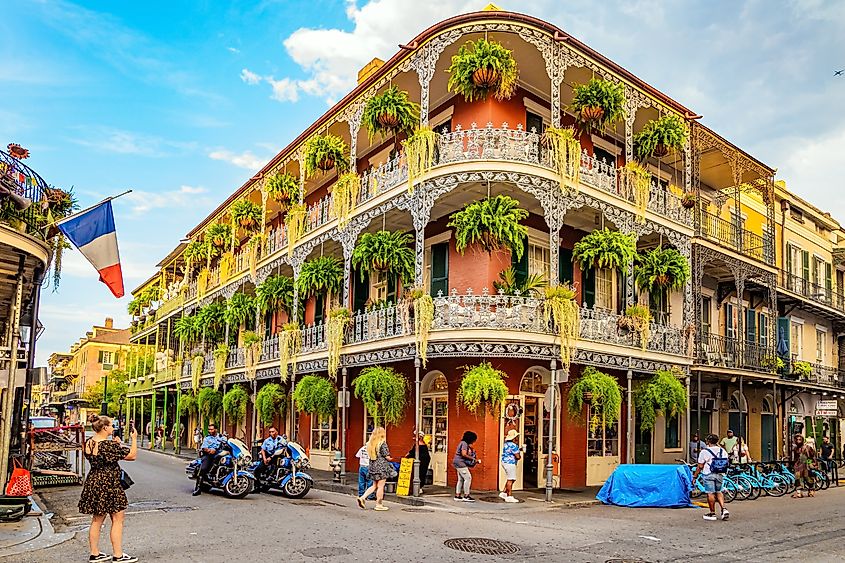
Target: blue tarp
642 486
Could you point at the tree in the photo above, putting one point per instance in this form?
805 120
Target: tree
116 389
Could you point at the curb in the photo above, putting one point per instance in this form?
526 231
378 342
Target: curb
44 538
333 487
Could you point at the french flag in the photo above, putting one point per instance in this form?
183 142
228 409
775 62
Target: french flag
92 232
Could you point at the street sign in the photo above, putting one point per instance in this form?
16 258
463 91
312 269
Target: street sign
406 474
826 413
826 408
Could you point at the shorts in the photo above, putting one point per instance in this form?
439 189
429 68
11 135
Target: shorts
713 482
510 471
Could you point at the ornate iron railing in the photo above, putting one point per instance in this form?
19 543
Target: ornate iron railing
318 213
385 177
489 143
737 238
820 373
727 352
812 291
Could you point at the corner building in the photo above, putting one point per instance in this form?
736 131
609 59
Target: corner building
485 148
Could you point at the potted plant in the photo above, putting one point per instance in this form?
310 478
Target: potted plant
246 214
197 362
661 270
336 322
564 149
290 346
234 404
420 148
638 319
802 369
209 404
688 200
482 388
384 393
562 312
345 196
604 248
283 188
187 404
598 104
601 392
220 236
211 321
240 311
663 394
269 402
316 395
195 253
481 68
252 353
773 363
492 223
385 251
507 284
221 354
186 330
660 136
636 181
324 152
275 294
391 112
324 273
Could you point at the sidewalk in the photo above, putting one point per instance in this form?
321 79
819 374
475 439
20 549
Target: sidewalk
33 532
443 497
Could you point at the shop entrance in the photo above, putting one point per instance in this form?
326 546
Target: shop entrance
435 423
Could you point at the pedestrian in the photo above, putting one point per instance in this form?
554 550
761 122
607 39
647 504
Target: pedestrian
174 438
728 442
803 456
208 449
712 465
159 437
197 440
465 457
826 453
736 456
364 480
149 432
102 493
510 455
380 468
425 458
695 447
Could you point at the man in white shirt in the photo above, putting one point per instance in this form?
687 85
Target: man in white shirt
364 480
712 481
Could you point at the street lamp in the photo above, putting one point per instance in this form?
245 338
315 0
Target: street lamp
104 406
120 401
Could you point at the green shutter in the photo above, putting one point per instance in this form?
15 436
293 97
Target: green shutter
750 325
763 332
828 276
521 266
391 288
319 308
565 265
588 287
360 290
805 258
439 269
789 258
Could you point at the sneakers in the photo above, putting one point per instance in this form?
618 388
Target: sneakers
459 498
381 508
469 499
725 514
510 499
503 495
361 504
196 493
710 516
99 558
125 558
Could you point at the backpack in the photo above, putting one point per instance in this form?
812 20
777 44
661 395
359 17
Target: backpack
718 464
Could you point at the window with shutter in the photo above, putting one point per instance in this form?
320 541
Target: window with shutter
319 308
391 288
100 357
805 260
565 266
588 287
439 269
730 328
828 281
360 290
520 265
750 325
533 122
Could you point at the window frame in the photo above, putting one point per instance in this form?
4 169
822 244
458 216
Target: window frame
316 422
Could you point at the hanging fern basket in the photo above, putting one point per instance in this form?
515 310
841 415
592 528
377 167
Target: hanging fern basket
388 121
486 77
325 164
660 150
247 223
592 113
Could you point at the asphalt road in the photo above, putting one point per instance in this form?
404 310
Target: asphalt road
165 523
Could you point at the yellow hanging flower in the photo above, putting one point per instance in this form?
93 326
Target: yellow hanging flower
202 283
561 312
336 324
345 196
295 221
565 152
290 346
419 153
227 267
637 181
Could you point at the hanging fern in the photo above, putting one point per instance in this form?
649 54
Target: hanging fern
290 346
564 149
316 395
482 388
202 283
390 112
269 402
221 354
598 105
283 188
663 394
320 274
209 404
481 68
562 312
234 403
385 251
420 149
345 196
384 393
492 223
660 136
638 319
661 269
253 247
227 267
605 400
324 152
220 237
636 181
275 294
186 330
295 222
252 353
246 215
240 310
423 321
187 404
197 363
211 321
336 322
604 248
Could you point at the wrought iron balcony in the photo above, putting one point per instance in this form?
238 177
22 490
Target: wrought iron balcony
736 238
812 291
819 373
728 352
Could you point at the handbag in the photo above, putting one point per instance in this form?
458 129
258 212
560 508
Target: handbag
20 483
125 480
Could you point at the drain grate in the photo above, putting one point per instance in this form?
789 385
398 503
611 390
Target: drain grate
484 546
324 552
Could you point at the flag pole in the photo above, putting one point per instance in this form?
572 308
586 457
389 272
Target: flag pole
87 209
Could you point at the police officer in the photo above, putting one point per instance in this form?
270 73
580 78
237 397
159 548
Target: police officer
209 448
270 446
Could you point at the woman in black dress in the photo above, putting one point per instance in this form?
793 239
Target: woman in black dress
425 458
102 494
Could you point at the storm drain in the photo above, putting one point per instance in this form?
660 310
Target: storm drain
323 552
483 546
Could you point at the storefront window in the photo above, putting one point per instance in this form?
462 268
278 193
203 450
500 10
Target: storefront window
323 432
673 432
604 440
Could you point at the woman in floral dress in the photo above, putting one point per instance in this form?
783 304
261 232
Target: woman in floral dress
380 467
101 493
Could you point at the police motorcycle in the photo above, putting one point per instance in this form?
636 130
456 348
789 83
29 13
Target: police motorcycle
286 471
228 472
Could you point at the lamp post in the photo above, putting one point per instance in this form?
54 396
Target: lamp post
120 401
104 406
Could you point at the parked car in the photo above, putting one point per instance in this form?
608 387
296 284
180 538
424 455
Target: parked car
40 422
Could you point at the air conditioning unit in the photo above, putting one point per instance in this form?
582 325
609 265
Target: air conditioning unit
709 405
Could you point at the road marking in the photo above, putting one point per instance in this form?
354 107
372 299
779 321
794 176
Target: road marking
652 538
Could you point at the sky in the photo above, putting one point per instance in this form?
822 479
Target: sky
183 101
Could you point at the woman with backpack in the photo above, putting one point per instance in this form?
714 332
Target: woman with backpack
712 465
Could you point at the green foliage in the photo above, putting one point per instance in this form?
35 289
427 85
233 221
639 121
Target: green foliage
196 252
247 214
479 55
134 307
482 388
602 94
320 274
234 403
186 329
668 131
660 269
316 395
384 393
187 404
240 310
270 401
219 238
385 251
604 248
209 404
251 338
320 150
532 285
211 321
395 104
663 394
606 400
802 369
283 187
275 294
116 389
492 223
140 361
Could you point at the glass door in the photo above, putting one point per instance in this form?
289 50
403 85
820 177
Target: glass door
435 423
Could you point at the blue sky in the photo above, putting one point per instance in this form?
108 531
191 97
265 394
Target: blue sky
183 101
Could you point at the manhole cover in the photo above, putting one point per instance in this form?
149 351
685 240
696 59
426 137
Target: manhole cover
484 546
323 552
496 499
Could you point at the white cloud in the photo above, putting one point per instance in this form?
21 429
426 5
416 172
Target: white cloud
810 167
245 159
107 139
284 90
250 77
233 50
184 196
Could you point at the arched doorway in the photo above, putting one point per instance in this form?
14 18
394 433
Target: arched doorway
768 434
435 422
738 416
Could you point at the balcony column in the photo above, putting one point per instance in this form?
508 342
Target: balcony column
555 222
296 264
353 116
425 63
739 281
